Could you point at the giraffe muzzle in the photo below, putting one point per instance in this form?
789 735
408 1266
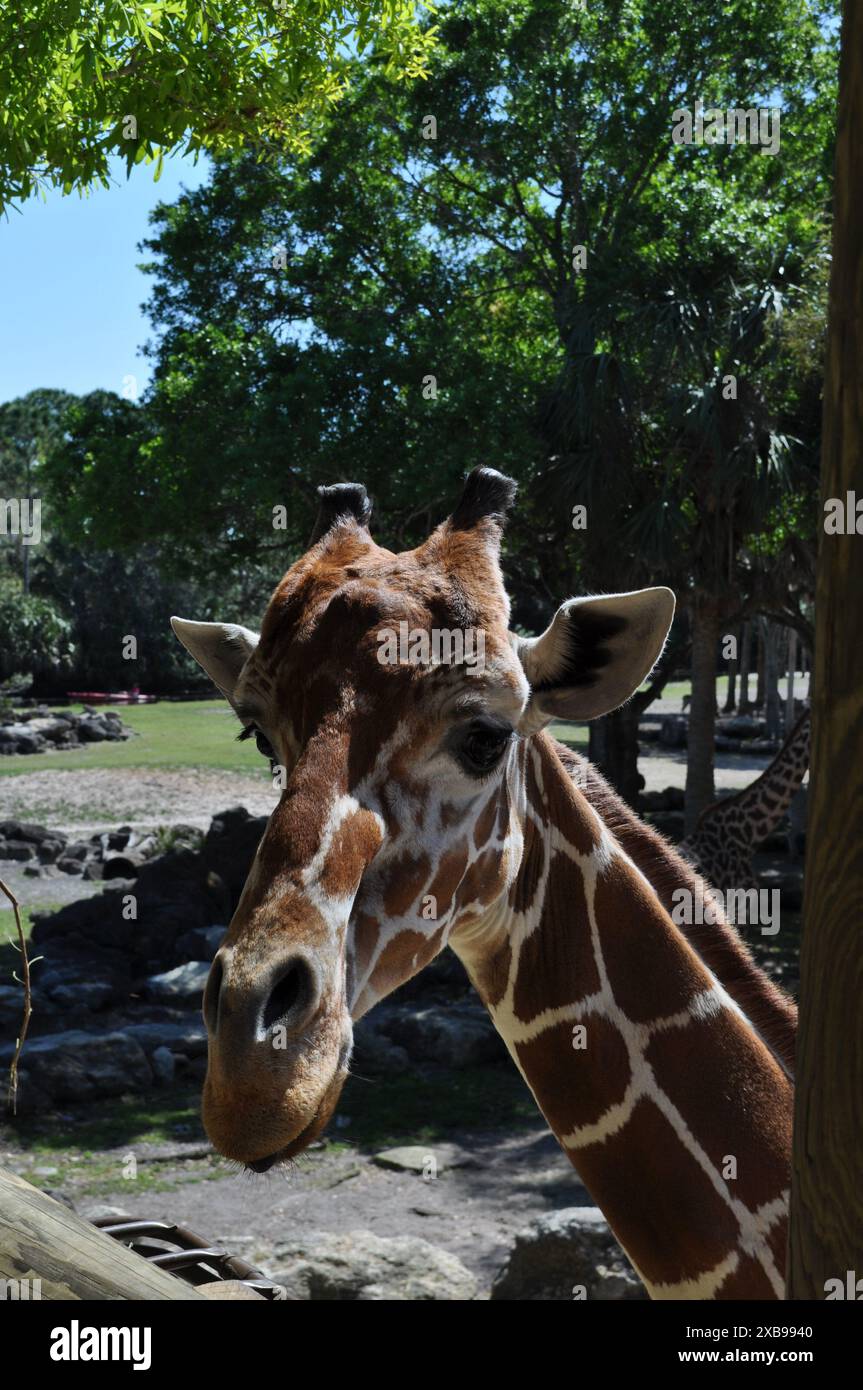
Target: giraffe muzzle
279 1040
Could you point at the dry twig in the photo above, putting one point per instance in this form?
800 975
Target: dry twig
28 1000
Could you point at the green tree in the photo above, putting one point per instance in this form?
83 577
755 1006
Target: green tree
83 82
37 640
31 427
438 231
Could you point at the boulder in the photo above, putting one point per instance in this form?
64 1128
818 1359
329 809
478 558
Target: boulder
34 834
49 850
78 1065
451 1035
229 848
17 850
361 1267
187 1039
427 1160
202 943
93 730
78 850
565 1255
70 866
163 1063
185 982
375 1054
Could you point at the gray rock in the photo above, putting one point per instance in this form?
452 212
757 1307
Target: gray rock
374 1054
76 1065
79 850
70 866
564 1252
202 943
34 834
454 1035
163 1063
17 850
189 1039
183 982
50 849
361 1267
93 730
429 1160
82 994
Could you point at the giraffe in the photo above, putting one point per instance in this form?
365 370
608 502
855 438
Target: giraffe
426 805
729 830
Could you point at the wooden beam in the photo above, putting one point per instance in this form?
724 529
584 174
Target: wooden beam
42 1239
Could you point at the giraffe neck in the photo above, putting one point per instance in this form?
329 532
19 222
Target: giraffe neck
666 1101
764 802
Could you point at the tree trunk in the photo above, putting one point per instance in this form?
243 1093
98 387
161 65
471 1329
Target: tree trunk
792 672
772 705
744 706
826 1239
613 748
702 709
761 685
733 668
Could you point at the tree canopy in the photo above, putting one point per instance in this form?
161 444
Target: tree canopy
84 82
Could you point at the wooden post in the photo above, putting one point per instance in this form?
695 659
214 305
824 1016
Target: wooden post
41 1239
826 1240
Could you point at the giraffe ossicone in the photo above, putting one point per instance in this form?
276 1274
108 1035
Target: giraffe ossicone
423 807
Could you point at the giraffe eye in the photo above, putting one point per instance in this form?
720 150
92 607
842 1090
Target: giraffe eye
482 747
262 743
264 747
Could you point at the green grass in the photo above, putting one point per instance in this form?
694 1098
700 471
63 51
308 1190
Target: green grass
193 733
160 1117
419 1109
8 929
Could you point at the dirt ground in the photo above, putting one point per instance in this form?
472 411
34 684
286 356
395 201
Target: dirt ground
497 1184
82 802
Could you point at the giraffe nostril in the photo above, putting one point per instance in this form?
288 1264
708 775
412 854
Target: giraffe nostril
292 997
212 991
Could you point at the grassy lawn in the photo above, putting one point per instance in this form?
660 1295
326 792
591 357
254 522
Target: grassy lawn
194 733
201 734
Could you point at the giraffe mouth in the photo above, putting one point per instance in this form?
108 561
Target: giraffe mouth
283 1155
307 1136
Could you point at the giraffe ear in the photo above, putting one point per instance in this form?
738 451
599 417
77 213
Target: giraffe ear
594 655
222 649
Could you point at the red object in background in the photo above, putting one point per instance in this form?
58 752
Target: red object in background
121 697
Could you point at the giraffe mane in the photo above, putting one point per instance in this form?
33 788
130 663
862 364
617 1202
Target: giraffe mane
767 1007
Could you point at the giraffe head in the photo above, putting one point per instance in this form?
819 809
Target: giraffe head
391 695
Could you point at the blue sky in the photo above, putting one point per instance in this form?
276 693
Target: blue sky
70 291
